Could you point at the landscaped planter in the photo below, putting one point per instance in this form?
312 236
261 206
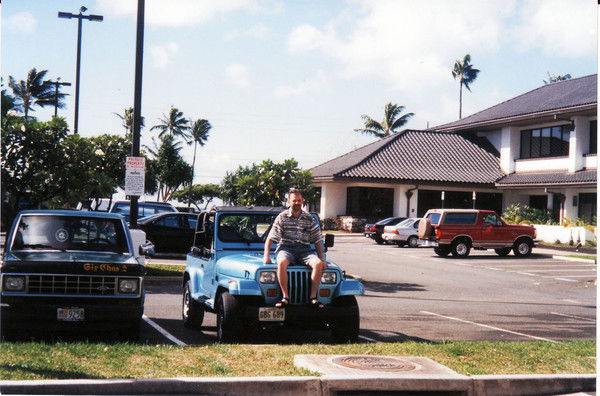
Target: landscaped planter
551 233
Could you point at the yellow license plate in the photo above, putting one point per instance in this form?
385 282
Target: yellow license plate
268 314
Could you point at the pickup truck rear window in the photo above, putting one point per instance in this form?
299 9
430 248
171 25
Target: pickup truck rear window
460 218
434 218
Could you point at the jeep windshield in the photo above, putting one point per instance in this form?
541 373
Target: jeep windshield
245 227
48 232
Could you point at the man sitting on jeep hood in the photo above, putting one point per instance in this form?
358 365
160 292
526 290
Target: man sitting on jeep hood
294 230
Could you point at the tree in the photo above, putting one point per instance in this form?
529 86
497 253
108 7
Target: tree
34 91
199 194
174 124
466 75
169 167
556 78
127 121
392 121
266 184
199 134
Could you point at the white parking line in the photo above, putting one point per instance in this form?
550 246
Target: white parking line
164 332
561 270
488 326
574 317
549 266
562 279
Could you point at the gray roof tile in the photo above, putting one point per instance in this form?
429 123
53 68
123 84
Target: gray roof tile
419 156
548 178
559 95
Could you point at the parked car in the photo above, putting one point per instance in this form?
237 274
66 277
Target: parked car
170 232
225 275
374 231
145 208
64 268
456 231
403 233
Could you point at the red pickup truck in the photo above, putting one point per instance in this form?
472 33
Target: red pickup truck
456 231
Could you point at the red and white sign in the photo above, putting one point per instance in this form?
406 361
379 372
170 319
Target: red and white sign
135 170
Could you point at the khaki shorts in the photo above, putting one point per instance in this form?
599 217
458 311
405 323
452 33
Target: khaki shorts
297 257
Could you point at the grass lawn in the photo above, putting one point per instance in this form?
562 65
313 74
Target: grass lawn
34 360
164 270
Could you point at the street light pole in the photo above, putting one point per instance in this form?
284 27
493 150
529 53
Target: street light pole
80 17
57 83
137 102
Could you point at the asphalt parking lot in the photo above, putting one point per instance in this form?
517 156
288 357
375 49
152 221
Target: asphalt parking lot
411 294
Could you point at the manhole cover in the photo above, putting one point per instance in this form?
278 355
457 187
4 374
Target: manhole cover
376 363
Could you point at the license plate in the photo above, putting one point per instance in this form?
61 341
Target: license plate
267 314
70 314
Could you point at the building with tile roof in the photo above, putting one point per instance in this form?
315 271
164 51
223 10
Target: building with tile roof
538 148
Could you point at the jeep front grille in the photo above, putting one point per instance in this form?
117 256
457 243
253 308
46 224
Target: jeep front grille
299 285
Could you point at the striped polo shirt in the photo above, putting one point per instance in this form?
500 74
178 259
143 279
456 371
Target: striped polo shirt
295 231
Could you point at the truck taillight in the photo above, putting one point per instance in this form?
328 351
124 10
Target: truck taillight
438 234
373 229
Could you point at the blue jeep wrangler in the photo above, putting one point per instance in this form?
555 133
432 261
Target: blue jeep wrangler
225 275
65 269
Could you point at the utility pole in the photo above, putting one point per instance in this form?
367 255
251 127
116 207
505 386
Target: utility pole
137 102
57 83
80 17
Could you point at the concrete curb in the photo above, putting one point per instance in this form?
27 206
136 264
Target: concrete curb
579 260
489 385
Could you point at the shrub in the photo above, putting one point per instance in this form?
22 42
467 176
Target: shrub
524 214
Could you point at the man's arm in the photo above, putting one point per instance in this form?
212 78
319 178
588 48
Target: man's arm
319 246
267 252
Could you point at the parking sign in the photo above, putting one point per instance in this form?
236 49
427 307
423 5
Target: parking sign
135 169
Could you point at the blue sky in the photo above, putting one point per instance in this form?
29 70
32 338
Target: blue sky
280 79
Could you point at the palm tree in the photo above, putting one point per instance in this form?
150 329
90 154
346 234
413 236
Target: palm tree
127 120
34 91
467 74
390 124
553 79
174 124
199 134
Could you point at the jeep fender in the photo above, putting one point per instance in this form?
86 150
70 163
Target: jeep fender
350 287
241 287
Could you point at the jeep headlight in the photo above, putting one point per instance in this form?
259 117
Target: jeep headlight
268 277
329 277
128 286
14 283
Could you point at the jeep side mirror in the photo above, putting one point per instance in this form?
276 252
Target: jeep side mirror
147 249
329 240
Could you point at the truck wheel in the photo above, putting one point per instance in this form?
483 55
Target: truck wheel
461 248
442 251
228 320
412 242
503 252
523 247
345 329
192 312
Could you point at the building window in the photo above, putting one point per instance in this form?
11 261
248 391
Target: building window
370 202
593 137
587 209
545 142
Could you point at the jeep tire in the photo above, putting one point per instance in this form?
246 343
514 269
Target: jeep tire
345 328
523 247
460 248
229 324
503 251
192 312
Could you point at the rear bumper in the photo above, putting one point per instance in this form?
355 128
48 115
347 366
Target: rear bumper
428 243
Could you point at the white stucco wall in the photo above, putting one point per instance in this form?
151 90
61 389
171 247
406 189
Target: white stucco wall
509 148
541 164
590 161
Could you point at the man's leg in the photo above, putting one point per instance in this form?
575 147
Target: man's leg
283 260
317 266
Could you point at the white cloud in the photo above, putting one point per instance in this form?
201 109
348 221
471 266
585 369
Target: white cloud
410 44
559 27
317 83
175 13
237 75
162 54
22 22
259 30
